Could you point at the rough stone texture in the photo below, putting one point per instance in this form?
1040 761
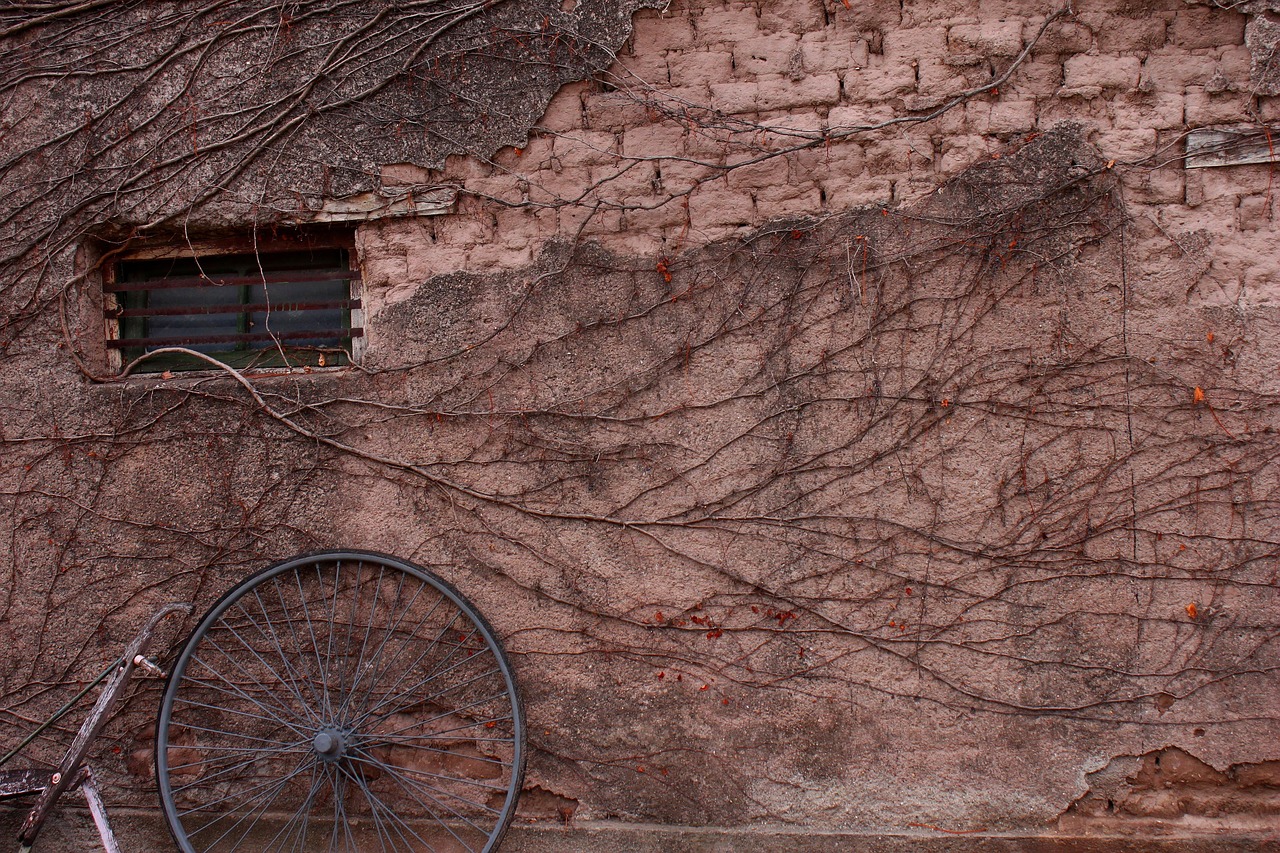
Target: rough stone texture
930 348
1262 37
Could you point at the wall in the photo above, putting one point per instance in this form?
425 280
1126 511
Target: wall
837 438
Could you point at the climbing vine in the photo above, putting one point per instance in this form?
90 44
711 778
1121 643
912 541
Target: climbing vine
905 457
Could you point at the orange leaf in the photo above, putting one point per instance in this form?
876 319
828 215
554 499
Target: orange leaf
1191 610
1209 337
1197 396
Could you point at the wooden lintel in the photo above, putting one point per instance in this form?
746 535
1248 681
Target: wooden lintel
1232 146
386 203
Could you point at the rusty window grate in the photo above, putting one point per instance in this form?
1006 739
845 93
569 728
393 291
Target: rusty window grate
254 309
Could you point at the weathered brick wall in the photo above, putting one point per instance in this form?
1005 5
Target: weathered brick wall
775 243
646 163
640 167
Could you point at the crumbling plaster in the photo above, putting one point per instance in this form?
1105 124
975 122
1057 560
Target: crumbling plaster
556 235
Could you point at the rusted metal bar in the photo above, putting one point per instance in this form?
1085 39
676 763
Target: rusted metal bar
232 309
331 274
339 334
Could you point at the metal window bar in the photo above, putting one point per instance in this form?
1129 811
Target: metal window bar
275 309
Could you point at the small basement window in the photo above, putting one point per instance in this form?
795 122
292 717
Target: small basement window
283 307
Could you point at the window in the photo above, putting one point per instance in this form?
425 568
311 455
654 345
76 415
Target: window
286 305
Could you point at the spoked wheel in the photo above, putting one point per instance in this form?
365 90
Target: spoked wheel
340 702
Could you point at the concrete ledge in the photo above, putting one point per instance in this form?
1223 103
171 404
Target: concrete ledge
70 828
610 837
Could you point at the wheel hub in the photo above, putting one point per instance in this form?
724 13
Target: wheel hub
329 743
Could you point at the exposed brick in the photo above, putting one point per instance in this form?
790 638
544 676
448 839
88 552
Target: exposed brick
666 215
585 148
725 26
496 255
459 167
778 201
519 227
868 15
648 65
653 140
1038 77
792 121
633 243
613 110
1131 35
1256 212
463 230
1260 285
589 219
699 67
878 83
714 203
1128 146
1234 182
735 98
1089 112
1164 185
792 16
938 81
1204 108
1157 110
861 115
626 182
1206 26
915 188
829 161
777 93
503 187
678 176
960 152
888 156
758 175
550 185
1194 185
917 12
915 44
858 192
1269 108
1062 38
534 154
1109 72
997 38
1002 116
1234 64
565 110
1175 71
837 54
772 54
654 32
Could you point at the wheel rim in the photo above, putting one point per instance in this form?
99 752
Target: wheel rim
343 701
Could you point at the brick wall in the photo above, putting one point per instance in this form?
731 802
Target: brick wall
638 160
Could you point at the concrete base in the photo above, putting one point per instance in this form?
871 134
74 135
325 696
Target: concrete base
143 831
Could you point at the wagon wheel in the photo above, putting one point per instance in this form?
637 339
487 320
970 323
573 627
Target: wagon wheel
342 701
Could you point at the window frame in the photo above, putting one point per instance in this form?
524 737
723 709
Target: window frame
261 243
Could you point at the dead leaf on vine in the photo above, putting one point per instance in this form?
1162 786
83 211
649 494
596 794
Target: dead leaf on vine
1197 396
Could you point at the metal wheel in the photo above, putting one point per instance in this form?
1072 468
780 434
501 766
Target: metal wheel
342 701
